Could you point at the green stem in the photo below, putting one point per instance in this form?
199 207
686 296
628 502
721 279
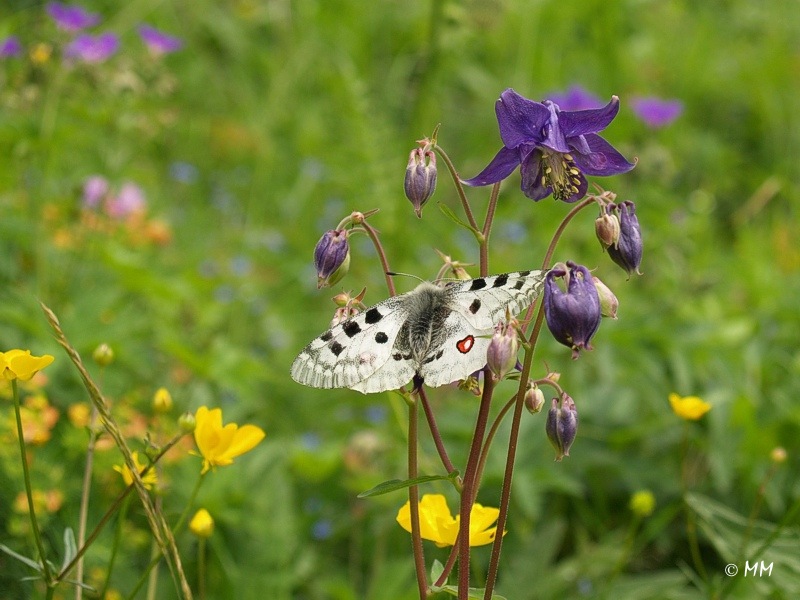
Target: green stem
111 510
48 576
123 511
691 524
201 568
175 531
459 188
85 491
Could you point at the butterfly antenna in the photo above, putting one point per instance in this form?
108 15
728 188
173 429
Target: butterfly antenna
395 274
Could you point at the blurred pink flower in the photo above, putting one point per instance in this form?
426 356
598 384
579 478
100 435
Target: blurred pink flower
130 200
656 112
94 190
92 48
71 17
159 42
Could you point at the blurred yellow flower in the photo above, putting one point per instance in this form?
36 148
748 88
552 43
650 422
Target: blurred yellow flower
19 364
38 419
220 445
438 525
202 525
79 414
642 503
149 479
40 53
162 400
690 408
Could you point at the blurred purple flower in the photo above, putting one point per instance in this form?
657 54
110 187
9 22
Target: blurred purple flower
656 112
95 189
92 48
159 42
575 98
71 17
10 46
129 200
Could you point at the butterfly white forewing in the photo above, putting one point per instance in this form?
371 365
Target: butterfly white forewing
439 334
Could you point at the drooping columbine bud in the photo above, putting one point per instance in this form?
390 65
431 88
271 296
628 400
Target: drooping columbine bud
332 257
607 229
502 353
608 301
572 316
627 252
420 180
534 399
562 425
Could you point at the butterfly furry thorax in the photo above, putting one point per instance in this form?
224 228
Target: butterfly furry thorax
436 334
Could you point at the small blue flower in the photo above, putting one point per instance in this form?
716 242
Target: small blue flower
92 48
159 42
572 316
656 112
554 149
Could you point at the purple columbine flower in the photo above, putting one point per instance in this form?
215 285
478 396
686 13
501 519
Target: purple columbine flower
10 46
332 257
92 48
159 42
627 252
562 425
572 316
575 98
70 17
553 148
656 112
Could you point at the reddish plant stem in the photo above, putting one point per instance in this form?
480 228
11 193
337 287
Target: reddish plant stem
487 229
459 188
413 498
373 235
437 437
470 485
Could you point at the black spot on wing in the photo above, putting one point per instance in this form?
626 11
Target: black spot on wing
381 337
477 284
519 284
351 328
336 348
500 280
523 273
327 336
372 316
475 306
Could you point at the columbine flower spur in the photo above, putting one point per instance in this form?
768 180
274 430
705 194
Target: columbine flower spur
554 149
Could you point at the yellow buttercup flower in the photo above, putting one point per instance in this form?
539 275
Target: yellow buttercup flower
162 400
19 364
438 525
220 445
642 503
149 479
202 525
690 408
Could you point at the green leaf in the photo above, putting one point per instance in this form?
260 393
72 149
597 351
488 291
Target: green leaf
28 561
448 212
70 548
436 571
398 484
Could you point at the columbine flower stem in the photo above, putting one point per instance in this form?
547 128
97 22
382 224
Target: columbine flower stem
373 235
48 576
437 437
459 188
513 438
487 228
470 486
413 496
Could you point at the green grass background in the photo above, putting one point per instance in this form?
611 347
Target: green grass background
296 113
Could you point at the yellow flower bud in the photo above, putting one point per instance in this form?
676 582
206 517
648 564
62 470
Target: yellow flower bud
778 455
202 525
162 400
103 355
642 503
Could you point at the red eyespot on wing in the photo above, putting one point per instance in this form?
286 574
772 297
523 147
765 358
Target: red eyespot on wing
465 345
